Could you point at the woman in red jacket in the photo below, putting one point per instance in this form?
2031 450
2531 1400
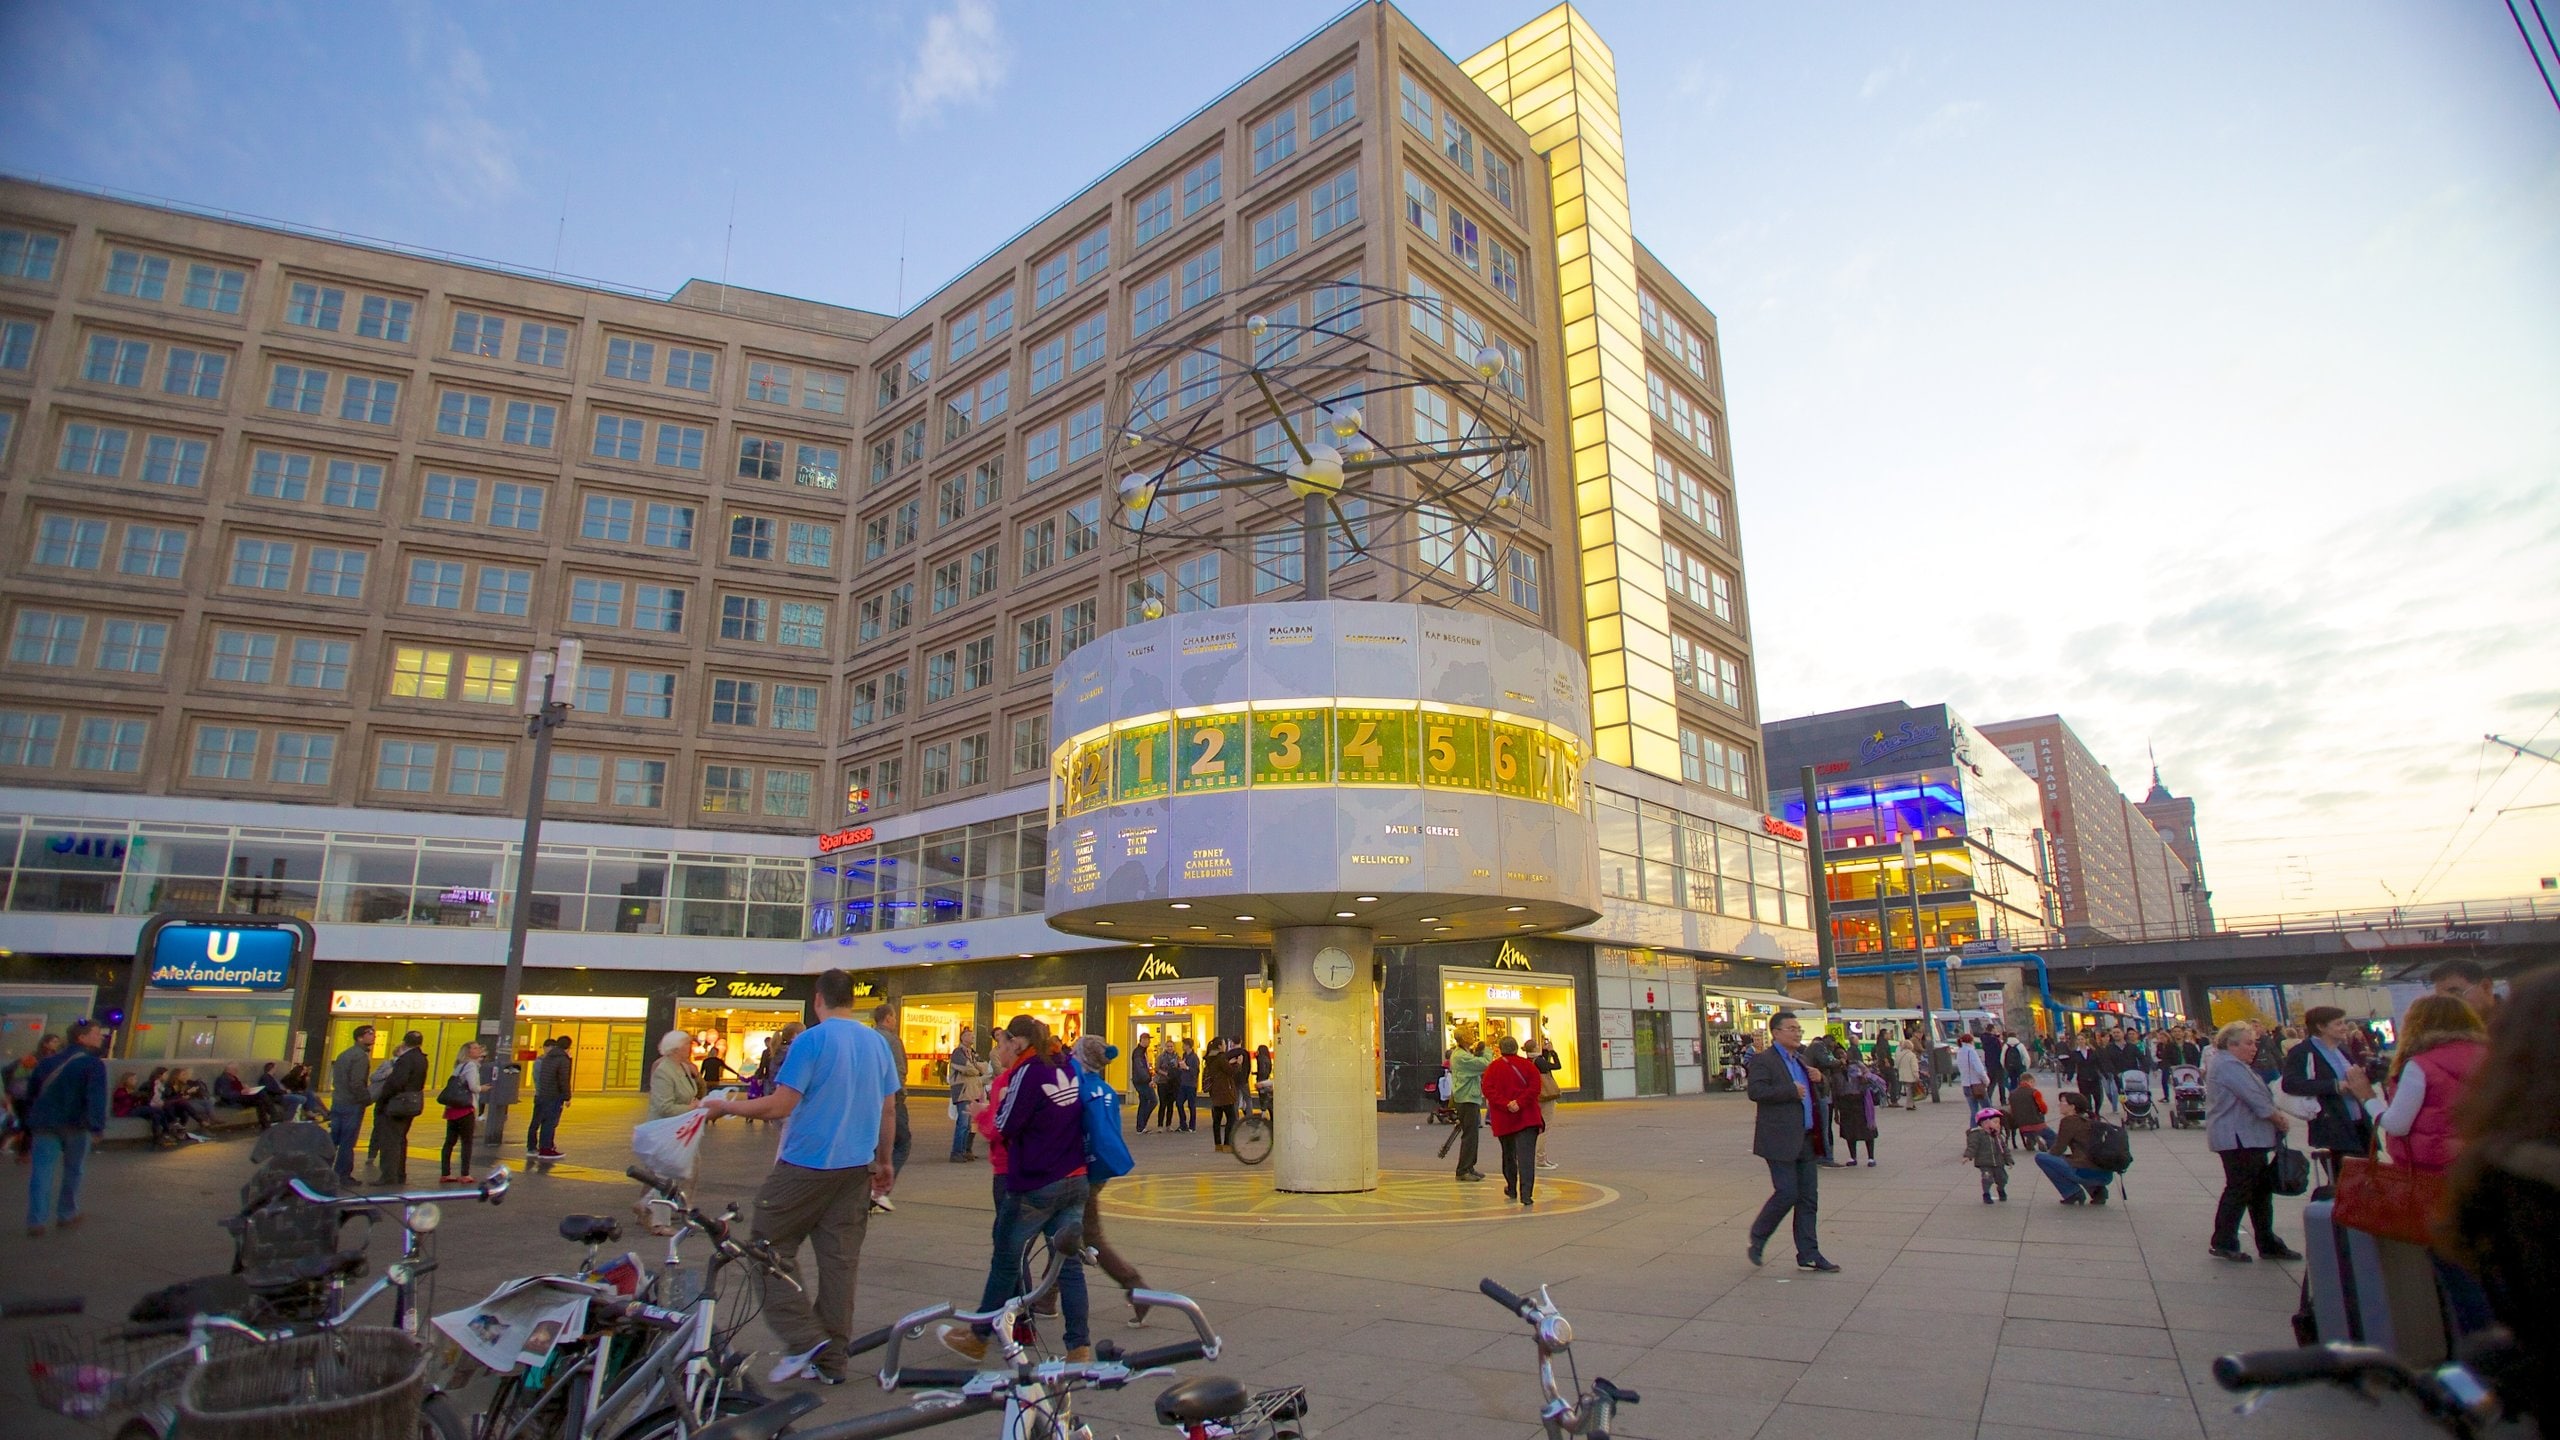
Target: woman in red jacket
1511 1105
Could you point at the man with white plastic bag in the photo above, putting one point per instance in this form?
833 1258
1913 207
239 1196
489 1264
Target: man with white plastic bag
837 1087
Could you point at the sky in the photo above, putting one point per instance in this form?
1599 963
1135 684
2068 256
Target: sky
2190 370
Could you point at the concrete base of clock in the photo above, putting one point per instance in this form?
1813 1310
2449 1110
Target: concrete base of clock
1326 1066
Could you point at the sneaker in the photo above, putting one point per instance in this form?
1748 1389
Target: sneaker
792 1367
1469 1176
551 1155
1986 1197
881 1202
825 1374
1546 1164
2232 1253
960 1340
1818 1265
2277 1251
1871 1164
2004 1194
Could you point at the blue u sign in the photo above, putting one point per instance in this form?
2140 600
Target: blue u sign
222 957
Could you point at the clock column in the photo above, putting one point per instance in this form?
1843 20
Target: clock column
1326 1068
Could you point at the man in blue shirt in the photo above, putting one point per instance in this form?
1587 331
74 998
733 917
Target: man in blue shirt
66 1110
836 1092
1787 1133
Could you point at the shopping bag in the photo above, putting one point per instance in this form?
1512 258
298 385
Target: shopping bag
2396 1202
668 1146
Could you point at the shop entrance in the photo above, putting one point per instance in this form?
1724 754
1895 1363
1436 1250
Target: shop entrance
1518 1024
1522 1005
738 1029
1653 1052
928 1026
1163 1013
442 1039
610 1046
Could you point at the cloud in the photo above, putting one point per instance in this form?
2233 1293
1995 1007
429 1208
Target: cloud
1882 77
470 158
963 58
1952 121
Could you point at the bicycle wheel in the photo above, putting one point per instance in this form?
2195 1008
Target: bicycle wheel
1251 1140
440 1419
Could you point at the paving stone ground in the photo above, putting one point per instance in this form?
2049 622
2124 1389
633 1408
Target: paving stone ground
1951 1319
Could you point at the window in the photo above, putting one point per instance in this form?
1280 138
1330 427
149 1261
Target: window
244 657
575 779
544 345
946 586
1083 526
688 369
1693 579
167 460
1421 205
906 521
669 527
639 784
1466 243
1039 546
133 647
320 664
1075 626
1275 237
680 446
1497 179
786 792
63 542
768 383
1040 455
111 745
352 486
1202 277
941 676
336 573
823 390
314 307
1090 339
1196 583
809 542
1457 142
978 663
750 537
1679 490
1093 252
421 674
1429 310
153 552
1084 432
1331 106
115 362
986 569
919 364
503 591
632 360
298 388
1689 419
972 769
1031 644
1200 378
760 459
406 765
1333 204
605 517
461 414
1522 568
1154 214
1048 363
433 583
1150 305
28 739
728 787
514 506
199 373
804 625
1339 305
17 344
1414 103
933 771
262 564
1349 540
735 702
1275 139
490 679
817 467
302 758
911 442
594 601
744 617
28 256
1049 280
93 450
144 277
383 318
224 753
1279 562
214 288
649 694
477 770
997 314
1504 271
477 334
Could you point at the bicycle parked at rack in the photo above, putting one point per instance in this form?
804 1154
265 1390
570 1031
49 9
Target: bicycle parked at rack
1581 1412
1036 1396
2463 1395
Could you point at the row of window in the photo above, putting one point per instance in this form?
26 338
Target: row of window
1438 123
970 665
1698 501
1697 665
1688 417
1687 344
1694 578
1483 255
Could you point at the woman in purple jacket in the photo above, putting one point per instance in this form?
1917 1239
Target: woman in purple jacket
1041 1118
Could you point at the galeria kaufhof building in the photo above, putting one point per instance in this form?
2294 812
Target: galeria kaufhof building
291 516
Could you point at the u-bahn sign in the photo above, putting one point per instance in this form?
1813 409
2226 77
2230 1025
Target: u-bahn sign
241 953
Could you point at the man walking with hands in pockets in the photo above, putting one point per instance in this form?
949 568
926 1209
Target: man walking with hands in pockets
1788 1091
838 1088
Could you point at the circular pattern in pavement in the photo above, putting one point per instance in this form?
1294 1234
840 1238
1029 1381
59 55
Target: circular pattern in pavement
1403 1197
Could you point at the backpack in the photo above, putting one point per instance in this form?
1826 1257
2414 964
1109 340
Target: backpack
2110 1149
1106 1155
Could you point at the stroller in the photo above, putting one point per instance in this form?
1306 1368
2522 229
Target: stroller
1444 1111
2186 1097
2140 1110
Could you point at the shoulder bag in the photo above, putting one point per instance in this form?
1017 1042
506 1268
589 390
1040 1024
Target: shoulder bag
2396 1202
2292 1169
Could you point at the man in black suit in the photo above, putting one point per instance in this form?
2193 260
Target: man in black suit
1789 1092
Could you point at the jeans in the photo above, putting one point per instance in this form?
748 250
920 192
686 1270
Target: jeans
1167 1097
1222 1124
2248 1186
1190 1106
1793 1185
2035 1137
905 1141
962 1138
344 1126
1470 1120
1520 1163
1146 1106
457 1132
1051 1210
543 1133
55 1158
2068 1178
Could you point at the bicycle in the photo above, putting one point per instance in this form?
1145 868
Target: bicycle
1584 1413
1036 1396
2463 1395
1250 1137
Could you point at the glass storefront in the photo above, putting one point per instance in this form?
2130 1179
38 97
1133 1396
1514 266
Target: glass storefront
1062 1010
738 1029
189 1027
610 1047
929 1025
1727 1019
28 1013
1166 1012
446 1021
1518 1004
971 872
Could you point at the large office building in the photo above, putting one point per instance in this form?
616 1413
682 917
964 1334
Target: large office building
2115 877
294 516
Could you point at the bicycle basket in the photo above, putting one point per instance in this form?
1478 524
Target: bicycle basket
353 1384
84 1374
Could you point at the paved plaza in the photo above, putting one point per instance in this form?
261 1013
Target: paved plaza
1951 1319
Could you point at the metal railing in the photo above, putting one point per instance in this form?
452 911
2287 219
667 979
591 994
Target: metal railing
2455 914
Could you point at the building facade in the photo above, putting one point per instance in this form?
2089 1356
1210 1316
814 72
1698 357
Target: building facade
2114 877
296 514
2174 816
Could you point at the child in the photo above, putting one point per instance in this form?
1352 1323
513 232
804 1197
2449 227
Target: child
2027 1114
1982 1146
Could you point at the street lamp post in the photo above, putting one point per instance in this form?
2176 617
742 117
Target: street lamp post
551 692
1920 959
1817 865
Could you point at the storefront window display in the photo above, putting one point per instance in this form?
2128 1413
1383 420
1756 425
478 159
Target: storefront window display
1515 1003
446 1021
610 1047
928 1026
1061 1010
1167 1012
738 1029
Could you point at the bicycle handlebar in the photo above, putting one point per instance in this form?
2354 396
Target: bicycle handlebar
923 1415
1178 1353
492 1190
2260 1369
1505 1299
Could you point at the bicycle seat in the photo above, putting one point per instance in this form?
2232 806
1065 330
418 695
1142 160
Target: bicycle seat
589 1229
307 1270
1210 1397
